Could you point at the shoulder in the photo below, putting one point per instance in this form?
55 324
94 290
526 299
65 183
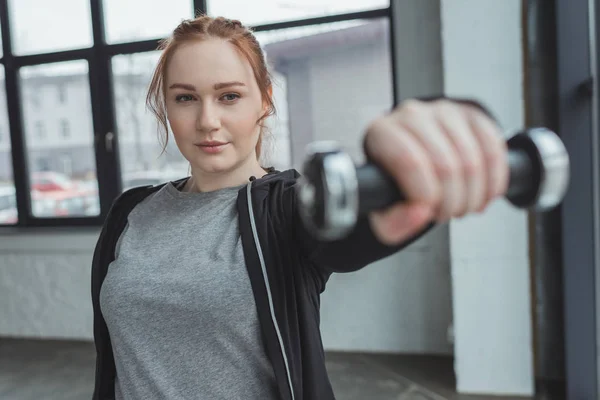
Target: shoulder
133 196
127 200
277 178
117 215
273 195
275 185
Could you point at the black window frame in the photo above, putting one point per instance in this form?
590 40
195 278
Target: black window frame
99 58
578 46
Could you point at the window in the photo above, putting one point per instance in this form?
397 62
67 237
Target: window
139 146
152 18
33 98
40 130
8 200
65 128
47 178
320 64
260 12
42 164
62 93
35 25
77 100
277 148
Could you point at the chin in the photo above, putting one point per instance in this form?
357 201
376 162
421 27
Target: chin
215 168
214 165
225 162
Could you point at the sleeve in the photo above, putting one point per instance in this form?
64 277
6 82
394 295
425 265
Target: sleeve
351 253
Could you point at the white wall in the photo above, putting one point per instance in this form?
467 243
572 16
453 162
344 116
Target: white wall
401 304
481 41
45 284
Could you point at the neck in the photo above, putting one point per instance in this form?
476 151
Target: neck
202 181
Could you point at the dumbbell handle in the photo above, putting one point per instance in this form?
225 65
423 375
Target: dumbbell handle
377 190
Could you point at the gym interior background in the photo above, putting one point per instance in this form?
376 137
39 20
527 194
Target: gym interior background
501 304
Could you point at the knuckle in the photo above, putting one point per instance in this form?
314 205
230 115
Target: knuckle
446 169
475 112
409 163
377 125
471 167
412 107
445 106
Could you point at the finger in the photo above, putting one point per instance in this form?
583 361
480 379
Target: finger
398 223
495 154
422 125
398 153
453 120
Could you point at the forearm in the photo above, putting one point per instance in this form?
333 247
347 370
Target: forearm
353 252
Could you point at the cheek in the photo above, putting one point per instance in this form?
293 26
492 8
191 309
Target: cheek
243 125
182 121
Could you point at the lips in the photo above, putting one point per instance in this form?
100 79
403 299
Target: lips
212 146
212 143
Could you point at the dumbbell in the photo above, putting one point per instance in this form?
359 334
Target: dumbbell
334 193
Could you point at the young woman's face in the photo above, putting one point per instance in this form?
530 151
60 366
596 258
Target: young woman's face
213 105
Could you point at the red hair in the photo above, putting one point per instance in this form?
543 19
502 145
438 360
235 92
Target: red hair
201 28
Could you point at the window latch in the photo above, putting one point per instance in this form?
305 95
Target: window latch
108 141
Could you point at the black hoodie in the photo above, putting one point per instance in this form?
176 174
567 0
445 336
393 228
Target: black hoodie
288 270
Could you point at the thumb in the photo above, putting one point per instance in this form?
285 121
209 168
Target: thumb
400 222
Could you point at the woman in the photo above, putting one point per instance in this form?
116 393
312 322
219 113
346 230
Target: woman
208 287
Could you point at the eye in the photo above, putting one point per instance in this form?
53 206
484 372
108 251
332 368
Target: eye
230 97
183 98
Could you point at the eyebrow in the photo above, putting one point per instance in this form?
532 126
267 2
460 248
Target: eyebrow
216 86
224 85
182 86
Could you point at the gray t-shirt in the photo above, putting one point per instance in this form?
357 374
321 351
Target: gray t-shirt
179 306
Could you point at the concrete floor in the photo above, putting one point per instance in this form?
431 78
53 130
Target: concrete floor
53 370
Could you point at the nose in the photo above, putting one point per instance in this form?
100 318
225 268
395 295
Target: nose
207 119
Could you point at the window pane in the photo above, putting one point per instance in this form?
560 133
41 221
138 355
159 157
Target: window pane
43 27
284 36
8 200
260 12
63 167
324 100
276 141
139 145
154 19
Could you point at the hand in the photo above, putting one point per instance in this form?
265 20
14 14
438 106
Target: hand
449 159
